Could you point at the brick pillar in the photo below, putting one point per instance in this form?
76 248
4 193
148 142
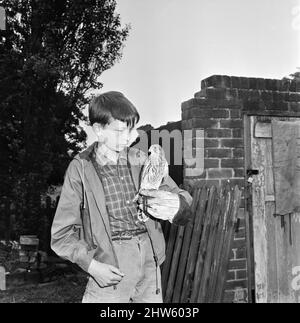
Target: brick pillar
223 139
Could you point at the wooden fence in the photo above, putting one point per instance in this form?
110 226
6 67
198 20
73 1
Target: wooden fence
197 254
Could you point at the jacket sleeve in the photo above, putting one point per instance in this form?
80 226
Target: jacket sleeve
66 231
184 213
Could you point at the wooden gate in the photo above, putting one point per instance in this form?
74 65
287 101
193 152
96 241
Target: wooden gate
198 254
275 239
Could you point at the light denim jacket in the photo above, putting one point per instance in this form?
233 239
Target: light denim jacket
81 236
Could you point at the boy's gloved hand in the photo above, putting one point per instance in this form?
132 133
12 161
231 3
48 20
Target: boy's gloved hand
106 275
161 204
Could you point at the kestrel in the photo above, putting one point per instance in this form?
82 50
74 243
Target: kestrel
155 169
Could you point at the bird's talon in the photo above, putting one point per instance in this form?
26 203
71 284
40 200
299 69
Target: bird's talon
142 217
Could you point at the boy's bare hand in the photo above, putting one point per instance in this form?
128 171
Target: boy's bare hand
106 275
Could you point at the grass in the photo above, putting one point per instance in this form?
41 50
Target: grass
64 290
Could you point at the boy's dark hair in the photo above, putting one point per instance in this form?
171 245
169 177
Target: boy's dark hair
112 105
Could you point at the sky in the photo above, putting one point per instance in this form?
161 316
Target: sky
174 44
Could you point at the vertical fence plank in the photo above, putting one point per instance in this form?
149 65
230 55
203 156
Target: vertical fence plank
174 265
222 228
228 238
218 246
2 278
208 278
208 245
202 253
185 249
232 220
169 254
196 236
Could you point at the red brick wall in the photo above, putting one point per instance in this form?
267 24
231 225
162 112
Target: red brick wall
218 109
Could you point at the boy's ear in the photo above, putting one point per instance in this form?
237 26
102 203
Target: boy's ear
97 128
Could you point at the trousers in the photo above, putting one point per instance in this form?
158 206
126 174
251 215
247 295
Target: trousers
142 277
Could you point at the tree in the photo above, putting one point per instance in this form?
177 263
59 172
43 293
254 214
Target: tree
53 54
294 76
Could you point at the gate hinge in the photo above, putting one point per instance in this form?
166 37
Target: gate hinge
251 172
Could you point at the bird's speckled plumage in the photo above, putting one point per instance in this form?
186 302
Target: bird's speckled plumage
155 169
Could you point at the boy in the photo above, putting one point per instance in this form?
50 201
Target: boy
96 224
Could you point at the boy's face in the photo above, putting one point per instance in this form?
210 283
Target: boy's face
116 135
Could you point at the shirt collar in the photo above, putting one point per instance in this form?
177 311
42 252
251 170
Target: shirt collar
103 155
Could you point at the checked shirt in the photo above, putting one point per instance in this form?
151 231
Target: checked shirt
119 192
